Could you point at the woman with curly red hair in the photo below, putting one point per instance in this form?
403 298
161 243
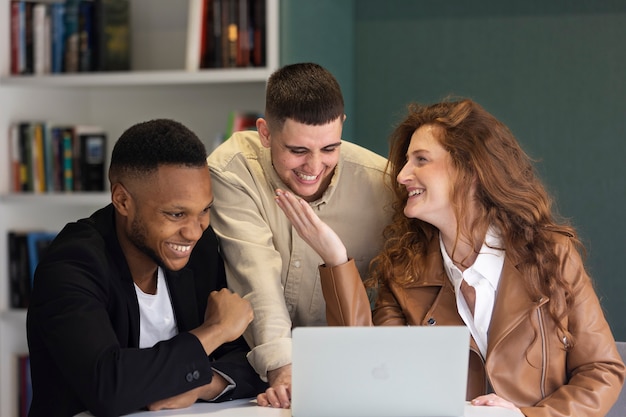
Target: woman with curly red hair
474 242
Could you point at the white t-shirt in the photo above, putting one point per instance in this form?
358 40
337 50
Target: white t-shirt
156 316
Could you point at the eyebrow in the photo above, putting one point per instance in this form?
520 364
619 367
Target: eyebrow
330 145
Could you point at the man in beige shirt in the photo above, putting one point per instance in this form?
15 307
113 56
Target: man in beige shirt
298 148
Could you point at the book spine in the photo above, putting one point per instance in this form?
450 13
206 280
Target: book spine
71 36
18 269
68 177
15 37
56 134
259 29
28 39
112 35
25 156
92 154
194 29
85 36
49 157
38 159
231 33
39 38
14 144
58 36
218 44
243 37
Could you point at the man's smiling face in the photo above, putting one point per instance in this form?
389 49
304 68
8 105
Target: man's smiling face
305 156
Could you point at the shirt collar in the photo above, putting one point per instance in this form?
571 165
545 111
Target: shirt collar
488 263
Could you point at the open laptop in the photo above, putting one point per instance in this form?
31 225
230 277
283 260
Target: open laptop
385 371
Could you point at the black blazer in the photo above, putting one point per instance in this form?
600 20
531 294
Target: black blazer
83 328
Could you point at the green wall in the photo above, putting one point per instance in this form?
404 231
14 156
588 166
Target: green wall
322 31
554 72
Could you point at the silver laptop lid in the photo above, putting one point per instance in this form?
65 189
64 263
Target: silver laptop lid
379 371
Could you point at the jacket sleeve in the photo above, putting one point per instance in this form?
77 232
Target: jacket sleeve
593 366
346 300
230 359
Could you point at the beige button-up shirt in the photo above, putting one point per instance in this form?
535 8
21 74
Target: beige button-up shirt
266 261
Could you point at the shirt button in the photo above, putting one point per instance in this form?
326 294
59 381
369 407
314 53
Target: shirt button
296 264
196 375
189 377
432 321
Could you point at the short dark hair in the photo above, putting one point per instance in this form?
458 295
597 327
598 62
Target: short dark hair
304 92
142 148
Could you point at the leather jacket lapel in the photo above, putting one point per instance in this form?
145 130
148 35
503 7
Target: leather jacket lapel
512 305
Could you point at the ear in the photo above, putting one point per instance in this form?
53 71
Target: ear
121 198
264 131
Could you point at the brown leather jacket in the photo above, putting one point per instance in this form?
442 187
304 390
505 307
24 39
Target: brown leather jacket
526 361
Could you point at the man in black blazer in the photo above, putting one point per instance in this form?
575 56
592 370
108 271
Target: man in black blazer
129 308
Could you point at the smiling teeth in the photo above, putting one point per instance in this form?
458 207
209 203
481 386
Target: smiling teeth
180 248
415 192
306 177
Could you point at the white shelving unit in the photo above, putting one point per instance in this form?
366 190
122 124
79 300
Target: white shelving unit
157 87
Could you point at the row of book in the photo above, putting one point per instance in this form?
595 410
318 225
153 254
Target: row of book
226 34
25 249
70 36
53 158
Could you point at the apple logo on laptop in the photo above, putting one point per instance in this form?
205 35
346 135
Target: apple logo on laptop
380 372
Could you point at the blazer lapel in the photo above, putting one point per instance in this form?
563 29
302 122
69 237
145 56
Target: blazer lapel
183 294
512 305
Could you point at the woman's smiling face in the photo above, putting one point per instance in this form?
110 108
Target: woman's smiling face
427 176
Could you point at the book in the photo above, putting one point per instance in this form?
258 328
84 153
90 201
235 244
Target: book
17 33
207 46
37 242
49 158
243 36
25 388
38 167
112 42
230 33
26 160
195 16
14 152
71 34
19 275
57 158
215 60
41 38
57 35
86 36
25 249
28 38
259 33
68 158
89 152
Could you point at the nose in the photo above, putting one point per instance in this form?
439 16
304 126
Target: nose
314 162
194 229
404 175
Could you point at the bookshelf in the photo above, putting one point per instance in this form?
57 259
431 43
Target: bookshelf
157 86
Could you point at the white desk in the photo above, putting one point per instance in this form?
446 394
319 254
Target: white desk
248 408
